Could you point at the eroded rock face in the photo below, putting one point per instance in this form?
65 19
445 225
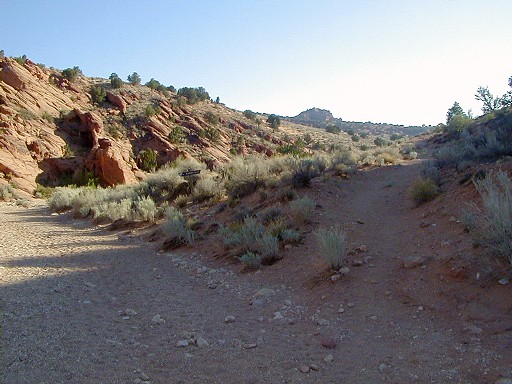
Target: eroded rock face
93 124
117 101
111 163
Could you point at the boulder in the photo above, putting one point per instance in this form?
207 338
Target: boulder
111 163
12 74
117 101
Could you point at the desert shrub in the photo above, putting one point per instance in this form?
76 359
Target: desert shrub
423 190
206 188
109 210
290 236
175 226
25 114
134 78
177 134
431 171
62 198
6 192
152 111
388 155
380 142
410 155
333 129
71 74
20 59
269 248
343 156
49 118
144 209
304 172
212 134
342 169
492 222
276 226
250 114
269 214
243 176
193 95
303 209
115 81
250 260
42 192
162 184
245 235
333 246
356 138
147 160
98 94
211 118
274 121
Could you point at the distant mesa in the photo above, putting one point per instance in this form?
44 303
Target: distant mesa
315 115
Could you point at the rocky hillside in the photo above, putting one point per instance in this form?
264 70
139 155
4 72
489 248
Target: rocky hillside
52 133
321 118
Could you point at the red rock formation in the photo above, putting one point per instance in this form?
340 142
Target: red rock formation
92 123
117 101
111 163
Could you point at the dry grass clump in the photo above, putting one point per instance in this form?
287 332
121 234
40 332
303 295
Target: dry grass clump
491 224
177 229
423 190
303 209
6 192
250 260
388 155
243 176
333 246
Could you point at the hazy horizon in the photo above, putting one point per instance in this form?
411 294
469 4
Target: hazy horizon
381 61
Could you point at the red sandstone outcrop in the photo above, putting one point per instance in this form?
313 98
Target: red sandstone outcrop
117 101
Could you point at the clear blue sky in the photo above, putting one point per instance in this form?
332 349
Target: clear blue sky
402 62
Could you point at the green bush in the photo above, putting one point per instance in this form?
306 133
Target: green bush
71 73
193 95
268 246
134 79
380 142
250 260
98 94
274 121
175 227
333 246
290 236
250 114
152 111
333 129
6 192
177 134
147 160
304 172
212 118
115 81
423 190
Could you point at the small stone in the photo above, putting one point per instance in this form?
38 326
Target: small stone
322 322
288 247
421 308
182 343
344 271
126 317
351 305
157 319
503 381
288 303
341 310
261 319
504 281
357 263
201 343
413 261
328 342
383 368
359 221
305 369
90 285
373 317
130 312
265 292
329 358
249 346
229 319
473 329
314 367
144 377
278 316
335 277
188 355
363 248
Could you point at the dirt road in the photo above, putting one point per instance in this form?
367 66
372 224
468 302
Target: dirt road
83 305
